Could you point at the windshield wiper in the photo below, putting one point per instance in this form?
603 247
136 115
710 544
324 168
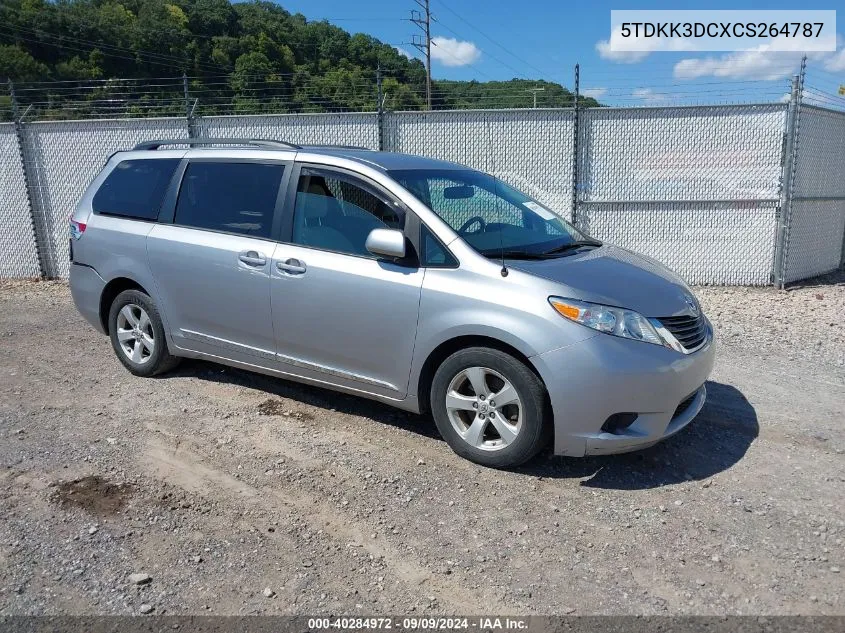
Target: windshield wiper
523 254
513 254
571 246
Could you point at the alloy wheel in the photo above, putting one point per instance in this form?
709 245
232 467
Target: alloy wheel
484 408
135 333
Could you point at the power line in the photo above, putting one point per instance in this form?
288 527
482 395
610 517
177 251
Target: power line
172 60
493 57
478 30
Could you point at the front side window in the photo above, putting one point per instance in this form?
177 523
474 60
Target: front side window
434 254
490 215
229 197
135 188
335 212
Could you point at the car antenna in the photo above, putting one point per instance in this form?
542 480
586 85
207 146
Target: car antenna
501 227
504 270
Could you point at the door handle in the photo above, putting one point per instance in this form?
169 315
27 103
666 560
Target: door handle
291 266
252 258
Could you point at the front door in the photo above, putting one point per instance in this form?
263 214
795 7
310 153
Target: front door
340 314
212 264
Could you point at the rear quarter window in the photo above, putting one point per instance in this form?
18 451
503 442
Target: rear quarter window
135 188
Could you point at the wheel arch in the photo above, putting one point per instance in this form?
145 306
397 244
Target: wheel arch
113 288
445 349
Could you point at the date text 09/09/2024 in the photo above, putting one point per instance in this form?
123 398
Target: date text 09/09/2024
419 624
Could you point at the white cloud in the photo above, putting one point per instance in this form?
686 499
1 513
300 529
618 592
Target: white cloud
451 52
760 63
595 93
650 97
836 61
621 57
403 52
785 97
646 46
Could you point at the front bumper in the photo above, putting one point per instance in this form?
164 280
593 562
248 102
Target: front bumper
604 375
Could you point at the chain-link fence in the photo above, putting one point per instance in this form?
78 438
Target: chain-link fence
63 157
18 254
531 150
694 187
702 189
814 234
359 129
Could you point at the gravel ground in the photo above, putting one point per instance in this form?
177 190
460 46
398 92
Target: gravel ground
212 490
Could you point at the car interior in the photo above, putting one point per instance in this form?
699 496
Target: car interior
337 215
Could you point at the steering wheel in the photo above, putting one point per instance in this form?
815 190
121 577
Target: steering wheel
482 224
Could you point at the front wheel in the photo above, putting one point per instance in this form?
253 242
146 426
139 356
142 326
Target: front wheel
489 407
137 334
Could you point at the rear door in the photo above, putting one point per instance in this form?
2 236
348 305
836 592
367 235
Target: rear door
340 314
211 258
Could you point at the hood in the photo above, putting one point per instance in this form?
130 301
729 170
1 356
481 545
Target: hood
616 277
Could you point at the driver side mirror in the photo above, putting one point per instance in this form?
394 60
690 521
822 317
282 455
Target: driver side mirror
388 243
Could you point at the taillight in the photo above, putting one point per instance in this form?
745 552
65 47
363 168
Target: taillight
76 229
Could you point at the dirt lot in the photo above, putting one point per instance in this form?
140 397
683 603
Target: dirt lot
232 493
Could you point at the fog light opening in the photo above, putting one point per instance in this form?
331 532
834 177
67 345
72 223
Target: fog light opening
618 422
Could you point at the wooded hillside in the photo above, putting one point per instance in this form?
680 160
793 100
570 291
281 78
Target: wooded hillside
244 57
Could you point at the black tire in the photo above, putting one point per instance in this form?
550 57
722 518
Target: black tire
535 427
159 360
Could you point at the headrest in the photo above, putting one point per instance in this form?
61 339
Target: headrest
319 206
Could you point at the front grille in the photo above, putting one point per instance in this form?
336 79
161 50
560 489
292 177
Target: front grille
689 330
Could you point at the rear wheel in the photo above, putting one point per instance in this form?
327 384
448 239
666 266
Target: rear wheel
137 334
489 407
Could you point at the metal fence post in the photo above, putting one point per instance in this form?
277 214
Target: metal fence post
842 252
787 187
575 134
379 109
189 108
39 230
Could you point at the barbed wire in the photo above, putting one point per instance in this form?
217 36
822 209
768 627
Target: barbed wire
292 92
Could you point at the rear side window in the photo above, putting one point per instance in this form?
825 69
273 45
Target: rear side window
229 197
135 188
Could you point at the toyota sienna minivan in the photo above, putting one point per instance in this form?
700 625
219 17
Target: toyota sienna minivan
420 283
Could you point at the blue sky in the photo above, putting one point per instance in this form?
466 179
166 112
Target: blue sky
492 39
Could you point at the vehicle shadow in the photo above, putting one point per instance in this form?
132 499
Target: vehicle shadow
716 440
713 442
306 394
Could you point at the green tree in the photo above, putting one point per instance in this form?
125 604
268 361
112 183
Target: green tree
255 55
18 65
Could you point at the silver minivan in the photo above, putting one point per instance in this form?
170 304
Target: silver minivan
416 282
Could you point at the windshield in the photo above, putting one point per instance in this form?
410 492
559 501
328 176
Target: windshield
490 215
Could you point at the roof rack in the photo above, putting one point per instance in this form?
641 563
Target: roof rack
334 146
152 145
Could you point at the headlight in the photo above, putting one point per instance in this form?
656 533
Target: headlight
615 321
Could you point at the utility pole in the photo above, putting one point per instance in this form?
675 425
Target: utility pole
423 21
535 91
